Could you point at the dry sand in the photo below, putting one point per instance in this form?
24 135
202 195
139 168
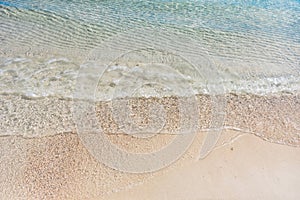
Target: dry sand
249 168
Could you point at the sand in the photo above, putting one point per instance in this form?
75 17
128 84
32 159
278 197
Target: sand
59 167
257 155
249 168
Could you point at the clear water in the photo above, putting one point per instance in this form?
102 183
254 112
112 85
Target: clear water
253 45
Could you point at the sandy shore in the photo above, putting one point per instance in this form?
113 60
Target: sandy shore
244 163
249 168
59 167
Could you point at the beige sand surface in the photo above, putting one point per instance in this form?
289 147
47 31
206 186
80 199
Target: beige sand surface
249 168
60 167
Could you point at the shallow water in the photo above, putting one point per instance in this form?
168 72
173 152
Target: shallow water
54 51
250 46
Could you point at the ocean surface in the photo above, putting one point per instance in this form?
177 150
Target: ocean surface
250 46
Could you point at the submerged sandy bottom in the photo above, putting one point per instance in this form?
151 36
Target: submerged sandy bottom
244 164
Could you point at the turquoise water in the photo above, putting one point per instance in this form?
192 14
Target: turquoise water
279 17
43 43
274 18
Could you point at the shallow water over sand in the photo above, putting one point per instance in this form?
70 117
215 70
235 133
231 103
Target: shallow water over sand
97 51
250 46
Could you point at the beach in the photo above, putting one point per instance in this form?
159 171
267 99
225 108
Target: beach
151 100
249 168
256 150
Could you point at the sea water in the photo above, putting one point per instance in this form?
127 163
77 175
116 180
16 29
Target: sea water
254 45
236 46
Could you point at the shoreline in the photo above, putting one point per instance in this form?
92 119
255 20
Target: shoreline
55 164
274 118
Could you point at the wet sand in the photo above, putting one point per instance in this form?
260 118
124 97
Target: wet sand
58 166
274 117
